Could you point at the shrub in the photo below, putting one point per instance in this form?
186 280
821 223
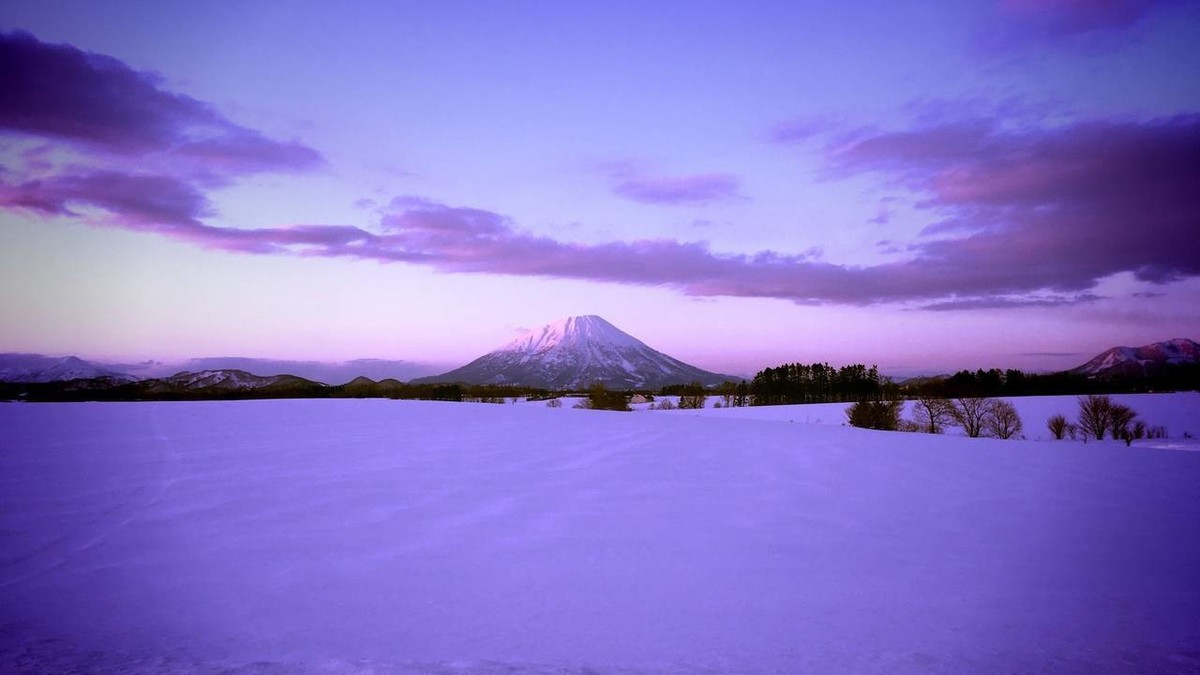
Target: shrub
1057 424
1095 416
875 414
666 404
554 403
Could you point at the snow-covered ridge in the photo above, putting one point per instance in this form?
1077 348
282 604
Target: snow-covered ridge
1142 360
572 332
39 368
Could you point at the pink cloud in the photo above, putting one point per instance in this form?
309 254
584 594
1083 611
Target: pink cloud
631 181
1047 213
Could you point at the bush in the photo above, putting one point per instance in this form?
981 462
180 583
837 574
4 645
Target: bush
875 414
1057 424
554 403
666 404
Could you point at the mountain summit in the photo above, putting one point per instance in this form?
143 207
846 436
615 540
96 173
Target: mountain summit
574 352
1141 361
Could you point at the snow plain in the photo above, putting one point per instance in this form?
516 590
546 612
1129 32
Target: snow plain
330 536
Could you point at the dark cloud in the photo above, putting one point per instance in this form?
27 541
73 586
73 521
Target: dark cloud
1030 218
1051 208
99 104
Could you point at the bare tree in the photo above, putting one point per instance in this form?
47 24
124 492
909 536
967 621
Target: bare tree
1002 420
933 414
1121 417
1098 414
971 413
1057 424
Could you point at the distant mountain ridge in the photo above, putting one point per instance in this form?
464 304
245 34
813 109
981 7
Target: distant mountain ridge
1141 361
40 368
573 353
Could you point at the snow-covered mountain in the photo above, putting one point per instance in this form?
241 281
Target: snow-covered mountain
575 352
228 380
39 368
1144 360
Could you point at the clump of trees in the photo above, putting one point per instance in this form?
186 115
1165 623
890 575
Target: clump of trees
734 394
995 382
879 413
977 416
692 396
1100 416
601 398
794 383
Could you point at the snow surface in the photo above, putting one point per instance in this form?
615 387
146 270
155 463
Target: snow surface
330 536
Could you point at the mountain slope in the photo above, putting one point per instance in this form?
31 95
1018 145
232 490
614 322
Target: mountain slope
574 352
226 382
1141 361
39 368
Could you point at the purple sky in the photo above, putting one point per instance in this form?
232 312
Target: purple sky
923 186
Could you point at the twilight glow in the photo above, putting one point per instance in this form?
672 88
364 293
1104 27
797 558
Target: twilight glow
970 184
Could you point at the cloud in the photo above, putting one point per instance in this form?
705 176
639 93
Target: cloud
1020 22
1027 215
137 199
1052 208
631 180
98 104
1010 303
1034 218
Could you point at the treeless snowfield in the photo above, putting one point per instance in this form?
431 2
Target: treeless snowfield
329 536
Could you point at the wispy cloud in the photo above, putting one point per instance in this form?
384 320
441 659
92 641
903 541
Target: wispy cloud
1025 22
633 181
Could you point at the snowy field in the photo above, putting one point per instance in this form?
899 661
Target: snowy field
377 536
1178 413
